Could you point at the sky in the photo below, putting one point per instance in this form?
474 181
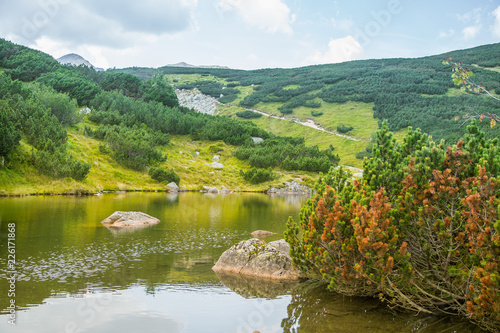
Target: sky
247 34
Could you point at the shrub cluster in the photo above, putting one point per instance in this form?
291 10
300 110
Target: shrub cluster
247 114
162 175
289 154
344 128
257 175
420 230
39 113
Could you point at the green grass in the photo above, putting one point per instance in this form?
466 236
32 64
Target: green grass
356 114
190 78
345 148
20 177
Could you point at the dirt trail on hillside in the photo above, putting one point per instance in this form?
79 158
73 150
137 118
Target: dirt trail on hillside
308 123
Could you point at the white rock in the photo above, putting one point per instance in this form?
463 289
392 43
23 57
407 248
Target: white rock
216 165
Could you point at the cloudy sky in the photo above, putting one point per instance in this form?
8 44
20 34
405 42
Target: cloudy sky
247 34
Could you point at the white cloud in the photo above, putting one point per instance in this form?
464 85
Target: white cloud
471 31
473 19
339 50
269 15
496 25
473 15
343 24
112 23
446 34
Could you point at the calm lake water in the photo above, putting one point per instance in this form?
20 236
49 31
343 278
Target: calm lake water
74 275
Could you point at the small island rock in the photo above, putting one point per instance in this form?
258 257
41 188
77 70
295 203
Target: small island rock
129 220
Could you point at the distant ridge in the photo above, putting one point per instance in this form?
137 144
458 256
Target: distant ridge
185 64
76 60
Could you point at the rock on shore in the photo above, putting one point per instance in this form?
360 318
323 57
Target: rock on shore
290 188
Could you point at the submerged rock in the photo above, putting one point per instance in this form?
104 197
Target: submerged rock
256 258
129 220
262 233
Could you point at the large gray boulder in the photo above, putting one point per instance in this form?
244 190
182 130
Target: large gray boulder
256 258
129 220
173 187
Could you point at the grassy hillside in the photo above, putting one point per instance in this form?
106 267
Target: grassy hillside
187 157
129 127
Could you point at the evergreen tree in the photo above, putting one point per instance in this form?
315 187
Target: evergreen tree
9 135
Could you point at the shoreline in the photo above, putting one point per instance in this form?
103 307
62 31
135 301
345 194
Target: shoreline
88 194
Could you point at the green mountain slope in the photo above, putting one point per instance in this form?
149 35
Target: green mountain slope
406 92
72 129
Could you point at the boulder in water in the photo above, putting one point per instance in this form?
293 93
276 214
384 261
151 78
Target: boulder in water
129 220
256 258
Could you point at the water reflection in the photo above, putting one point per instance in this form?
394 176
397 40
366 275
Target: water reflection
62 246
314 309
253 287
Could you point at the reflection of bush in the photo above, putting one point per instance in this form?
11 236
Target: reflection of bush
314 309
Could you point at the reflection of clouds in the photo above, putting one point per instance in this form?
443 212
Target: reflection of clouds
215 214
290 199
189 308
94 312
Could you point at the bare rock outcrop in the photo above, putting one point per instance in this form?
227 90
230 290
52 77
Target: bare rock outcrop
292 187
256 258
129 220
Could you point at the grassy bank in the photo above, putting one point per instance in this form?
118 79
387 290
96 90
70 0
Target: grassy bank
186 157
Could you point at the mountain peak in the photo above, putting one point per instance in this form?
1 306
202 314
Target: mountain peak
76 60
185 64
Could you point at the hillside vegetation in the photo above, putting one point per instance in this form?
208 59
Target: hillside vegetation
53 116
405 92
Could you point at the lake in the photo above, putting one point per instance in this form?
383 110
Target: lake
74 275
